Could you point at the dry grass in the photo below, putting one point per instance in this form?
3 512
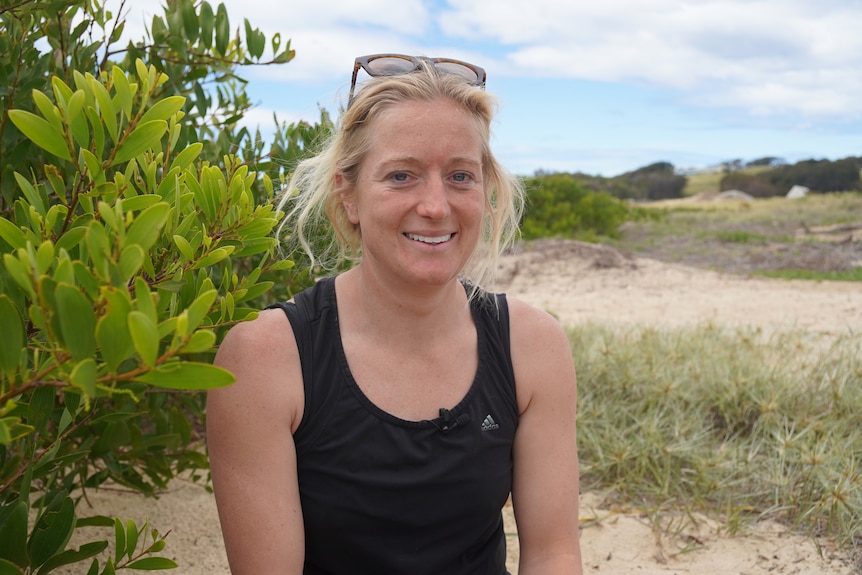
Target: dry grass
732 423
741 425
820 234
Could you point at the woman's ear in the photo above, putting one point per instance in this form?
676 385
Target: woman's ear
348 198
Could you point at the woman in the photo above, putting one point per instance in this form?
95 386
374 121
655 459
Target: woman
380 422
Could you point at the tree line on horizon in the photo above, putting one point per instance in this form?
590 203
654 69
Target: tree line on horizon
763 177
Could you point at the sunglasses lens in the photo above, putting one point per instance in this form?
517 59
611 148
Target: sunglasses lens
388 66
459 70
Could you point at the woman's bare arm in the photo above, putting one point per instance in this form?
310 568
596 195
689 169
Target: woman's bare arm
252 456
545 488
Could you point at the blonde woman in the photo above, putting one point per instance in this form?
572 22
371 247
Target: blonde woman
381 420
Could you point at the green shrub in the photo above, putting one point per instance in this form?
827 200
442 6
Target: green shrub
135 228
558 205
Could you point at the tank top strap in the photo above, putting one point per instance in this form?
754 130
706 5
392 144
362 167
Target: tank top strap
304 313
491 311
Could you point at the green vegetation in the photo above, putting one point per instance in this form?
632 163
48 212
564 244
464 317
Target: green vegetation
560 205
763 179
851 275
135 228
657 181
737 424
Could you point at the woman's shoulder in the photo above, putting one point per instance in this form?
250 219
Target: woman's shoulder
262 354
541 353
269 327
529 321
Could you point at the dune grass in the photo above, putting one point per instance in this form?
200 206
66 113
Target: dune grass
852 275
740 425
816 237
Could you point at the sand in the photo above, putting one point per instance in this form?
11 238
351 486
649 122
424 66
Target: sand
578 282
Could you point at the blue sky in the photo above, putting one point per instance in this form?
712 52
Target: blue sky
596 87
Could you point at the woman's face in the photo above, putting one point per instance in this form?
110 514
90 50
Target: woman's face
419 196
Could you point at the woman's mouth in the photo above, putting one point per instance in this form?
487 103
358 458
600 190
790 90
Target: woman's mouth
433 240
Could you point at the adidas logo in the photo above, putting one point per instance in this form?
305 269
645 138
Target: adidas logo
488 424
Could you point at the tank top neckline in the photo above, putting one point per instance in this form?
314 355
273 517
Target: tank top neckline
373 408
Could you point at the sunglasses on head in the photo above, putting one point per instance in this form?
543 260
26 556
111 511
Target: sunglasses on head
397 64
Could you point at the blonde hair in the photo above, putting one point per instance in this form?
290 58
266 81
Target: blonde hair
313 194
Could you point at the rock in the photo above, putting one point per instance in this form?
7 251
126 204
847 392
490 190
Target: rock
797 192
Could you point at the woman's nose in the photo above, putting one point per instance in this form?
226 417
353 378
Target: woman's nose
434 202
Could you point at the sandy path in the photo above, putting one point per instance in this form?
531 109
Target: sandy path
579 283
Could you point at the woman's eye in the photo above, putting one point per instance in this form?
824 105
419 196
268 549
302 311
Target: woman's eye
461 177
399 176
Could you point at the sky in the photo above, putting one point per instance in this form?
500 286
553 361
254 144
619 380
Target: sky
595 87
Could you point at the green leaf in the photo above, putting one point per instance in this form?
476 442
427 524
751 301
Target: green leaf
96 520
98 130
12 234
40 407
99 248
106 107
145 336
185 248
12 341
70 556
83 376
190 20
214 257
44 257
20 273
41 133
77 321
71 238
130 261
52 532
222 30
119 540
187 376
11 429
49 111
255 291
112 329
77 119
256 246
206 20
9 568
152 564
131 538
282 265
164 109
187 156
145 137
199 308
144 299
13 535
32 195
145 230
122 90
201 341
137 203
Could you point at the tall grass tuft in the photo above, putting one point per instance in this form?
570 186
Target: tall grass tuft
736 423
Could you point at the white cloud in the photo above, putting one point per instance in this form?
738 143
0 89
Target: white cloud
767 56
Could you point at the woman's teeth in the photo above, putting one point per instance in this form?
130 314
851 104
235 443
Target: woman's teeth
429 240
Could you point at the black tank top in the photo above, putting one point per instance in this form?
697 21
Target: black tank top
387 496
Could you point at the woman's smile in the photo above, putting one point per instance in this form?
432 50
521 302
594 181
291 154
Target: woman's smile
435 240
